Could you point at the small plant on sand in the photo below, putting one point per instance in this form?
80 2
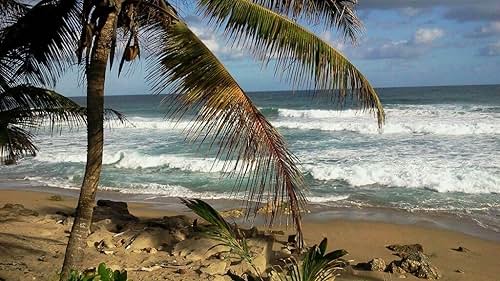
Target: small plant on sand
103 274
317 265
220 229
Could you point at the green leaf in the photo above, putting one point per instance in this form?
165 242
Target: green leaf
336 254
322 246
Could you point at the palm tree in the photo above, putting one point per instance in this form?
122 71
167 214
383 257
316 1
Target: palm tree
24 107
180 63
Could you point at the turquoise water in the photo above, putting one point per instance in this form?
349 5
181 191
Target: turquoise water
439 151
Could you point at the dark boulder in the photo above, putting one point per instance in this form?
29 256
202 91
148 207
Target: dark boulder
413 261
113 216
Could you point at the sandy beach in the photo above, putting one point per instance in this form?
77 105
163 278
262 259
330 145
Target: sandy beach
33 248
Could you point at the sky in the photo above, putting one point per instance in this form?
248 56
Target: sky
404 43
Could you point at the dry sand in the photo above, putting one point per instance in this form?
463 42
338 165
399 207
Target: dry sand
34 250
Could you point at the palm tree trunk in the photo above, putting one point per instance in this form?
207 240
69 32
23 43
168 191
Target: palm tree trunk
96 74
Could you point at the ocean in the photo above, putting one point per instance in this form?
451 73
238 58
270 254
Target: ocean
439 152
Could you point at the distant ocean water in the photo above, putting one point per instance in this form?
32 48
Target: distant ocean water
439 151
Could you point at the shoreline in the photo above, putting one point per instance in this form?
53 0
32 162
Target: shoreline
318 212
364 240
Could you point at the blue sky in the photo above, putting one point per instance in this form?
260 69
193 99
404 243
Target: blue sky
405 43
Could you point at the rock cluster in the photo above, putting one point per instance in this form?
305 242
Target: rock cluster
413 261
116 231
376 264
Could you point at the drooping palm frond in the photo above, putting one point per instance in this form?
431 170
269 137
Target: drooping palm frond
317 265
31 97
299 56
225 116
221 231
340 14
15 142
10 10
26 107
40 44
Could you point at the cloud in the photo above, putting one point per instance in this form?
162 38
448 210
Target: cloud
428 35
391 50
411 11
491 50
458 10
417 46
475 12
488 30
215 42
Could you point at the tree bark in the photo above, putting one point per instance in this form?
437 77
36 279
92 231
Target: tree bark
96 75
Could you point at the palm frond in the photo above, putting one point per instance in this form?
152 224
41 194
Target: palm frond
10 10
340 14
225 116
221 230
39 46
298 55
28 97
25 108
15 142
316 265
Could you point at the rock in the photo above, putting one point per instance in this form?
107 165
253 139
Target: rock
266 209
277 232
462 249
68 221
240 269
406 248
376 264
181 271
99 236
117 212
150 238
215 268
108 252
459 271
10 211
55 218
221 278
285 252
174 222
417 264
252 232
56 198
394 267
178 235
232 213
152 250
262 250
197 249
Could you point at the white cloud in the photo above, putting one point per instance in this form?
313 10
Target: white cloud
216 43
414 47
427 35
